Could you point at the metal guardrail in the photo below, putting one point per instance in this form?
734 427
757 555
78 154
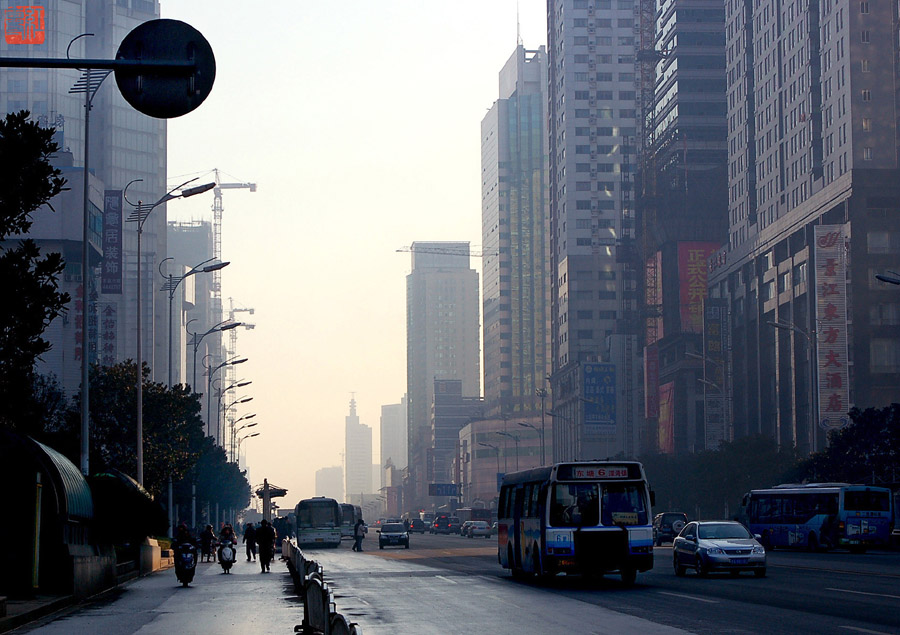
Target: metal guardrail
320 616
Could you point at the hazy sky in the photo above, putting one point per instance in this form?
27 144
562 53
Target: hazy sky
360 122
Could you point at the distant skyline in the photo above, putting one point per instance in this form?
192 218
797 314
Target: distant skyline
360 123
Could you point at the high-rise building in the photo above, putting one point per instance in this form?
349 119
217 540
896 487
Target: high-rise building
592 133
357 458
682 210
515 225
330 482
442 331
125 146
393 438
814 214
451 411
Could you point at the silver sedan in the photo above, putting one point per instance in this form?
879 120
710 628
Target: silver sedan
720 545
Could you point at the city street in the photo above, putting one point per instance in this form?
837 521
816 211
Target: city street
449 583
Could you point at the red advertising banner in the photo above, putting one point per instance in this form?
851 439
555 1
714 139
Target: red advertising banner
651 381
693 274
24 24
831 317
667 418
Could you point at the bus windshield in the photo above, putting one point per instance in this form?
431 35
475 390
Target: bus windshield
623 504
317 515
574 504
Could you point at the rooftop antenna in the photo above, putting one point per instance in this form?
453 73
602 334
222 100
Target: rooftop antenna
518 26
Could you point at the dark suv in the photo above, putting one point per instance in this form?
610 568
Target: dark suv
667 525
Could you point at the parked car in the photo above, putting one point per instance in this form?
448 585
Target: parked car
393 535
667 525
479 528
720 545
416 526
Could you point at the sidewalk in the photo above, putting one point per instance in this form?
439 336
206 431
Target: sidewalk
20 612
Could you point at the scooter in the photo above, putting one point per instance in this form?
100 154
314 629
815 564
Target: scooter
227 555
185 562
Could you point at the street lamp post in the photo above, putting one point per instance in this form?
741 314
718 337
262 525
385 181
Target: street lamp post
234 437
171 284
220 394
196 338
810 340
540 434
497 451
515 438
139 215
225 417
240 439
542 393
210 373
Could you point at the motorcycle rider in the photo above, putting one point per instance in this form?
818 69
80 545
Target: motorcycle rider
185 551
265 538
207 539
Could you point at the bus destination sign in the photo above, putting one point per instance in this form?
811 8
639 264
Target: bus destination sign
595 472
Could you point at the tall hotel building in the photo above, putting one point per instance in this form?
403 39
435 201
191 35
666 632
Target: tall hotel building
125 145
442 320
592 128
814 214
515 225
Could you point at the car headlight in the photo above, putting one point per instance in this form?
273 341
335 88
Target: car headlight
759 549
715 551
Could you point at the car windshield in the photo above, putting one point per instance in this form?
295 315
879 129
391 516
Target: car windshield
480 523
392 528
723 531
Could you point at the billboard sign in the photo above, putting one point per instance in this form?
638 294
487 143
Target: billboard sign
443 489
599 390
715 391
667 418
693 275
111 272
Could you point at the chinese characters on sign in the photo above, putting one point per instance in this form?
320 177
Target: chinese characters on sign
111 273
693 272
599 400
109 319
831 319
23 25
600 472
92 324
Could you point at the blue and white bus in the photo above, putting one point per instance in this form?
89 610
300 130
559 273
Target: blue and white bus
318 522
588 517
349 515
820 516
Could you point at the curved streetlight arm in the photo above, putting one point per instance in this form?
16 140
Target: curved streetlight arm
894 278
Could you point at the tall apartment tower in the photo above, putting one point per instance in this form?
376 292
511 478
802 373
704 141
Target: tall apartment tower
330 482
442 328
357 457
515 224
125 146
592 127
682 212
393 437
814 214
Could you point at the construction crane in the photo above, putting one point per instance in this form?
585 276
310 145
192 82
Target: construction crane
217 226
446 250
230 371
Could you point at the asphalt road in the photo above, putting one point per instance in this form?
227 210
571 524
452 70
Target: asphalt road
451 584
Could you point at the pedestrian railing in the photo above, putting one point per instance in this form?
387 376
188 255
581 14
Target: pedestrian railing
320 616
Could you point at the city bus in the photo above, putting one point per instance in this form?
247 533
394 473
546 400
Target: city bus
588 517
473 513
820 516
318 522
349 515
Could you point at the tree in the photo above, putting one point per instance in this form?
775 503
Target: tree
172 431
29 283
866 451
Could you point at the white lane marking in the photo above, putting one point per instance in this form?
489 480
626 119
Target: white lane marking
446 579
864 630
878 595
689 597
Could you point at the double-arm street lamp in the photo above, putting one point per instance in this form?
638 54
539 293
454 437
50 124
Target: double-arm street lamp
514 437
243 399
140 214
240 439
196 338
234 437
540 434
210 372
171 284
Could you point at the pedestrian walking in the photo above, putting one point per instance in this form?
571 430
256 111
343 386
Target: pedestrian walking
265 538
359 532
250 540
207 539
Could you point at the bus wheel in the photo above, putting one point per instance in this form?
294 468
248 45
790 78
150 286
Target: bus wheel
629 575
